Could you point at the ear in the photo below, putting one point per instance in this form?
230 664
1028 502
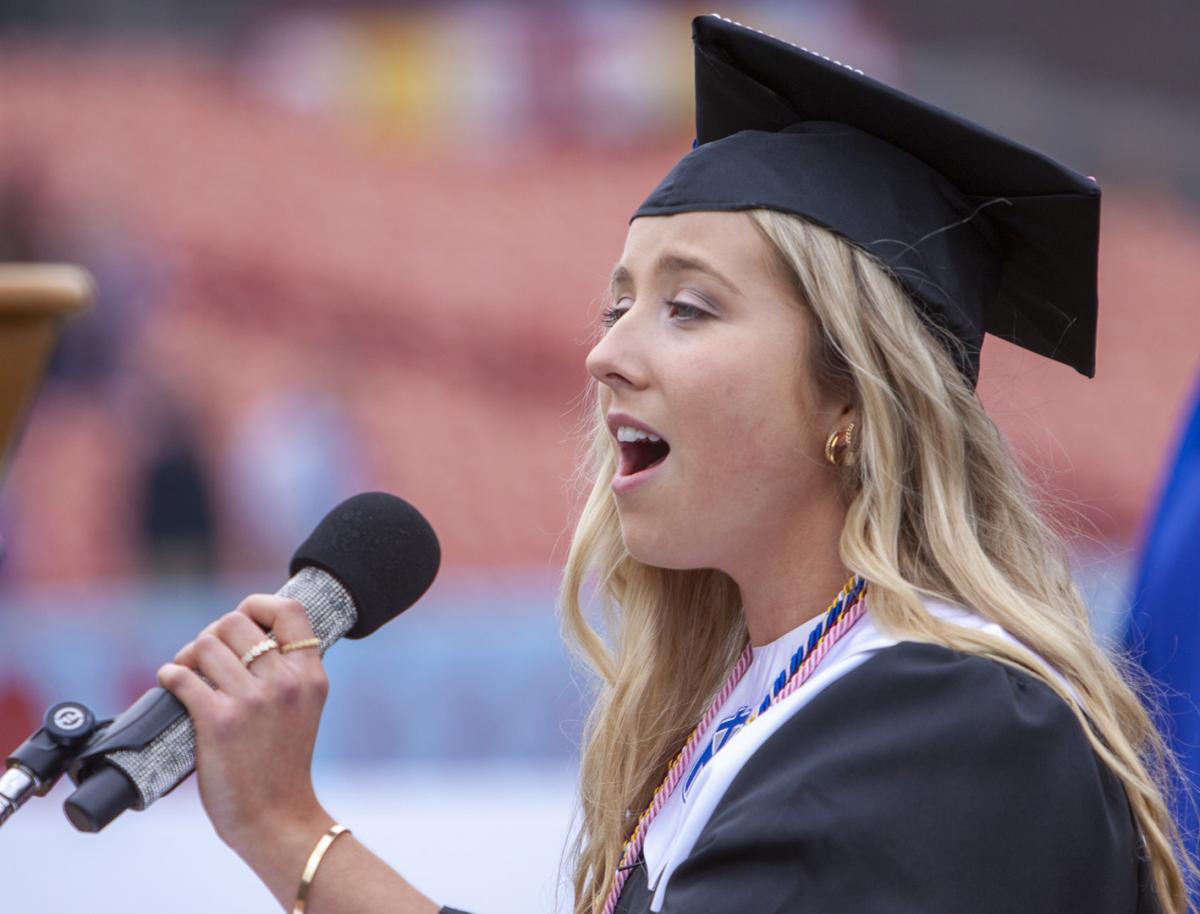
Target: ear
846 427
847 413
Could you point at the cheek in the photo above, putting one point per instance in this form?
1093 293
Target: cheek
751 425
752 456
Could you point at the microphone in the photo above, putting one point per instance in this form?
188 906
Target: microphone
366 562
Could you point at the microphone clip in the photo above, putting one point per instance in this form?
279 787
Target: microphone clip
35 766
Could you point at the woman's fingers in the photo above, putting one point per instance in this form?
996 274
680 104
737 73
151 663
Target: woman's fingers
221 665
284 618
218 651
241 634
301 679
185 684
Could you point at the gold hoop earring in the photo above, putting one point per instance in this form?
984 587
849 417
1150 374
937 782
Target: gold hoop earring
832 442
830 446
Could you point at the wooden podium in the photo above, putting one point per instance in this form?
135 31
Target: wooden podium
34 298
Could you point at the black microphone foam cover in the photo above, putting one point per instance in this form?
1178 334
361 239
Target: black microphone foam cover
381 549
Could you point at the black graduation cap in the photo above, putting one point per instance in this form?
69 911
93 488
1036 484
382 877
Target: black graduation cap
986 234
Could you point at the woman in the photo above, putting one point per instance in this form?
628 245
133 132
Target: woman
845 667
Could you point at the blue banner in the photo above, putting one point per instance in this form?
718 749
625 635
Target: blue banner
1164 630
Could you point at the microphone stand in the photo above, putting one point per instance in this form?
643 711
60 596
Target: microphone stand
36 765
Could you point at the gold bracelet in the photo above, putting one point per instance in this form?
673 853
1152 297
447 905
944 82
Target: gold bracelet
310 868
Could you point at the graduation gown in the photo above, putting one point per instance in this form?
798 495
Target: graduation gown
921 781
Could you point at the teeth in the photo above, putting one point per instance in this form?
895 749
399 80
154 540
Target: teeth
627 433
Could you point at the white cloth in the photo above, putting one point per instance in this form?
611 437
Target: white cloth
673 833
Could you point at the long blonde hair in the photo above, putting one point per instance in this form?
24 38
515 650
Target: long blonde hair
937 509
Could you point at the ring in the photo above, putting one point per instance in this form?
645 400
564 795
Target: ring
267 644
300 645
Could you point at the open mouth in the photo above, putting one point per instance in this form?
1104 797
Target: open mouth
640 455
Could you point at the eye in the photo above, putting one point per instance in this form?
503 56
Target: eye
679 310
685 312
610 316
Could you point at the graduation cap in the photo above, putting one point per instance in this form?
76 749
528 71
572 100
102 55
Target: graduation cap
985 234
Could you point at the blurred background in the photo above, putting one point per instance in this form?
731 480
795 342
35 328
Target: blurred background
360 245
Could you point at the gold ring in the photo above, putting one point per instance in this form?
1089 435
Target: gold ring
267 644
300 645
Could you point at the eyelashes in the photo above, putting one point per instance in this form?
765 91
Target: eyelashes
682 311
610 316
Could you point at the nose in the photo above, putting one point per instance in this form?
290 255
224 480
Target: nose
615 360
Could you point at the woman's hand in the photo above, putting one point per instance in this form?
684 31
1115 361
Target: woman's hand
255 731
254 740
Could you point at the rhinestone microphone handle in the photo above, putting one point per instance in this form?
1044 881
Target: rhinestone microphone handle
170 757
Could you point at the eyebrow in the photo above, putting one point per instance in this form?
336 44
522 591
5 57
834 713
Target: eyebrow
673 263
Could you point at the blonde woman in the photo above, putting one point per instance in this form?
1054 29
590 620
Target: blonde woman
843 664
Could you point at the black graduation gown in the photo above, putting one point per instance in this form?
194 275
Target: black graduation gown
925 781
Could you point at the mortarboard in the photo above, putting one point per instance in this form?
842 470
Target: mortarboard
985 234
